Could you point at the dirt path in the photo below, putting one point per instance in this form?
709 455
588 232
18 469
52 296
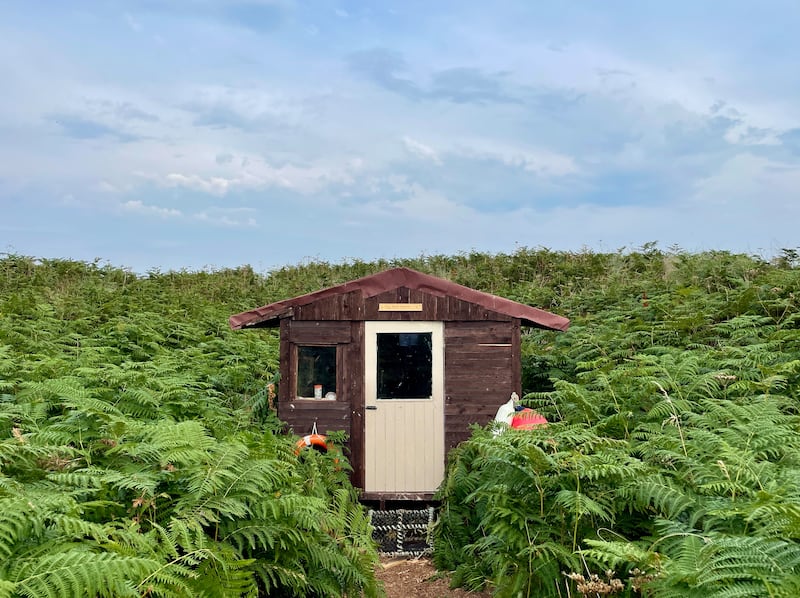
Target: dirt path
417 578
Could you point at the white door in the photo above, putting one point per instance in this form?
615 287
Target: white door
404 418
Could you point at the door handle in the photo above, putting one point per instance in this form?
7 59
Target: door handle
371 407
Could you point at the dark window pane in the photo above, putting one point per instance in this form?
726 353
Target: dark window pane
405 365
316 366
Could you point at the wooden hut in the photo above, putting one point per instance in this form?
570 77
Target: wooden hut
403 362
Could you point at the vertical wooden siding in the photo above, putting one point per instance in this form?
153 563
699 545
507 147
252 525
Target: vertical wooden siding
352 306
479 374
482 369
301 414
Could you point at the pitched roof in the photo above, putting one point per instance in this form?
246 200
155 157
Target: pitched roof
388 280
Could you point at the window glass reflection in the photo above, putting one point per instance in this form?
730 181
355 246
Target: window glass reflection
316 367
405 365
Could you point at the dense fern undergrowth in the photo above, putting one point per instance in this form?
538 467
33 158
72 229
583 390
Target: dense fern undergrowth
671 466
140 454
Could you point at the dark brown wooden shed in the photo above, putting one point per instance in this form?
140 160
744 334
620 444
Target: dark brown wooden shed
403 362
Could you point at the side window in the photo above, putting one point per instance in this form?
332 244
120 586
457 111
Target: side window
316 372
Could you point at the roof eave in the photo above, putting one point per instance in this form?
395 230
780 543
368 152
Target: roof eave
253 319
372 285
555 326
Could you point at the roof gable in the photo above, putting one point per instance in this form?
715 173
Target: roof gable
375 284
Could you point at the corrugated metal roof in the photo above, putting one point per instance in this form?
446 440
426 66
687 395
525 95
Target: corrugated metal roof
375 284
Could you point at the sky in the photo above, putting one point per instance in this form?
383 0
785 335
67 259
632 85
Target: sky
205 134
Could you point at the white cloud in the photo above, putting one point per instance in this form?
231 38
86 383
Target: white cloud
228 217
132 22
421 150
599 69
214 185
422 205
538 161
222 217
254 173
244 106
136 206
105 187
769 187
432 222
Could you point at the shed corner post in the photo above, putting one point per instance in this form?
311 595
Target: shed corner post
355 364
516 356
286 383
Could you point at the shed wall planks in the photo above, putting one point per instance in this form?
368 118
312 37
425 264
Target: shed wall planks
479 374
319 332
482 349
302 414
352 307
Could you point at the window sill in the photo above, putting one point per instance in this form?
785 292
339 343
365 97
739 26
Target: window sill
313 400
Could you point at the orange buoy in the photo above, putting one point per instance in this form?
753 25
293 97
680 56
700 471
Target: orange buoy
527 419
318 442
